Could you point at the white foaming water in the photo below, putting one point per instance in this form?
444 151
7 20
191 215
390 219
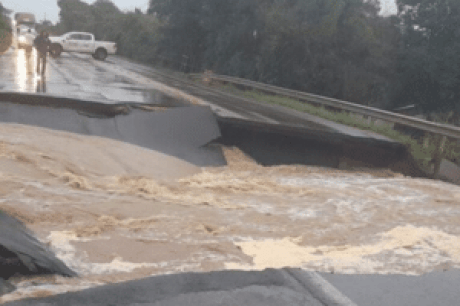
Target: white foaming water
66 252
406 250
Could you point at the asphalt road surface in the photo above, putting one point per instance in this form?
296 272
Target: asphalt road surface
437 288
68 76
266 288
119 80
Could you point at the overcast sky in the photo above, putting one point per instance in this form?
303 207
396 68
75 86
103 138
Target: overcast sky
50 8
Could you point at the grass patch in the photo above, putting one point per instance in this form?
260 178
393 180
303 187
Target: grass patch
422 150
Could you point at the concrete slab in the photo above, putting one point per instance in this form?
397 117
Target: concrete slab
180 132
449 172
6 287
22 253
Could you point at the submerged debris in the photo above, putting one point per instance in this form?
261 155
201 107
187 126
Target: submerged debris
22 254
6 287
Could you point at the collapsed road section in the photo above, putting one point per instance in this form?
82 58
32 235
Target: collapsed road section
116 209
270 287
182 132
190 132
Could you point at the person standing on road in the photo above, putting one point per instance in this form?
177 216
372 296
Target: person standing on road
42 43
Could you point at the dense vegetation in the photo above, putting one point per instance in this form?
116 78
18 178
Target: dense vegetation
5 30
137 34
428 58
337 48
3 24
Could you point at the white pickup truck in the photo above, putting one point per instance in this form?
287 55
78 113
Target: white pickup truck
82 43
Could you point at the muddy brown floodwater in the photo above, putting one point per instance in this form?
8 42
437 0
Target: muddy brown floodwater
113 212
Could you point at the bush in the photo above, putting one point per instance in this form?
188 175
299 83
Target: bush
6 39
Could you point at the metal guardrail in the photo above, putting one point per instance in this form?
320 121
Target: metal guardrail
427 126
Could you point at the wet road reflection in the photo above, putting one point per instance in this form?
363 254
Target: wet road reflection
25 78
41 85
78 76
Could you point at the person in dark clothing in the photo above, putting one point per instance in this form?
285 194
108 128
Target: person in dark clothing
42 43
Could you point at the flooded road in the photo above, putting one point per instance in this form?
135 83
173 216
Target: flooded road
114 211
113 216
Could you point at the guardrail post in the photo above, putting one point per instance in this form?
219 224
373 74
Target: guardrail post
369 120
440 142
206 78
426 141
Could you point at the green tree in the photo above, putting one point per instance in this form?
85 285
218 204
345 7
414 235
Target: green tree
5 30
184 34
135 34
332 48
338 48
75 15
429 63
3 21
232 45
105 15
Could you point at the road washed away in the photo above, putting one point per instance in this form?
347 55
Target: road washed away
113 212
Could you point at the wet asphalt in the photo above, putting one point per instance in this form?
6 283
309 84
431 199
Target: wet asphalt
436 288
72 75
221 288
118 80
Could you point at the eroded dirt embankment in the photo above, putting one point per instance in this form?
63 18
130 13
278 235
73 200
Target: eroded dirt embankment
114 211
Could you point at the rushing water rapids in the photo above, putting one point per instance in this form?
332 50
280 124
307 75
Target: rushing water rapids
113 211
